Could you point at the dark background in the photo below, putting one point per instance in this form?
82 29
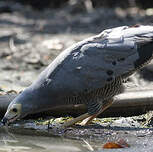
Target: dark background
42 4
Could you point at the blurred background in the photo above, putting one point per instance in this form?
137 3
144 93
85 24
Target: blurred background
34 32
54 4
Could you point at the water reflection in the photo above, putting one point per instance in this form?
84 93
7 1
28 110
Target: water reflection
22 143
31 143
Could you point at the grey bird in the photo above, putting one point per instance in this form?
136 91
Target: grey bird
90 72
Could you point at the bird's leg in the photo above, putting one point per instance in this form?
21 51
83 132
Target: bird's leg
75 120
86 118
90 118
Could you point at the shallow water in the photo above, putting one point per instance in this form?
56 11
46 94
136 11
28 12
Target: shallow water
25 143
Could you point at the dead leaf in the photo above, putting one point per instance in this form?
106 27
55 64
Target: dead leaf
121 143
111 145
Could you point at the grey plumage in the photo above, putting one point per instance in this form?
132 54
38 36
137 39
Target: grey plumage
90 72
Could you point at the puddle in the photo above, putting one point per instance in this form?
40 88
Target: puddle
139 141
22 143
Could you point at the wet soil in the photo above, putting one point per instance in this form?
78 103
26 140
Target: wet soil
90 138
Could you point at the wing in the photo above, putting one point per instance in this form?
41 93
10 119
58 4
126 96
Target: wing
92 63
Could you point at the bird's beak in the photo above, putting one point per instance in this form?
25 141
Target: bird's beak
7 119
4 121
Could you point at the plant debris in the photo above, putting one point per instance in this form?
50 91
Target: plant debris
119 144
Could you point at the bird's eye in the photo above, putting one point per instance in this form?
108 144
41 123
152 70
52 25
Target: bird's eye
14 110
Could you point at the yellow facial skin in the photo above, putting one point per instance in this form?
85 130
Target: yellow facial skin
13 112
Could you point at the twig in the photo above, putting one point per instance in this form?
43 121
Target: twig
11 45
88 145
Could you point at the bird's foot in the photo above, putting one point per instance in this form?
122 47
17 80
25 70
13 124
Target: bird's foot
75 120
88 120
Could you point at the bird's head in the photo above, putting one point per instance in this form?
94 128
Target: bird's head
32 100
21 106
13 112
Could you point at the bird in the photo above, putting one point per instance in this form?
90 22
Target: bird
90 72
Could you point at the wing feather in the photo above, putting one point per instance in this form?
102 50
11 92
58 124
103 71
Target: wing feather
93 63
91 66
